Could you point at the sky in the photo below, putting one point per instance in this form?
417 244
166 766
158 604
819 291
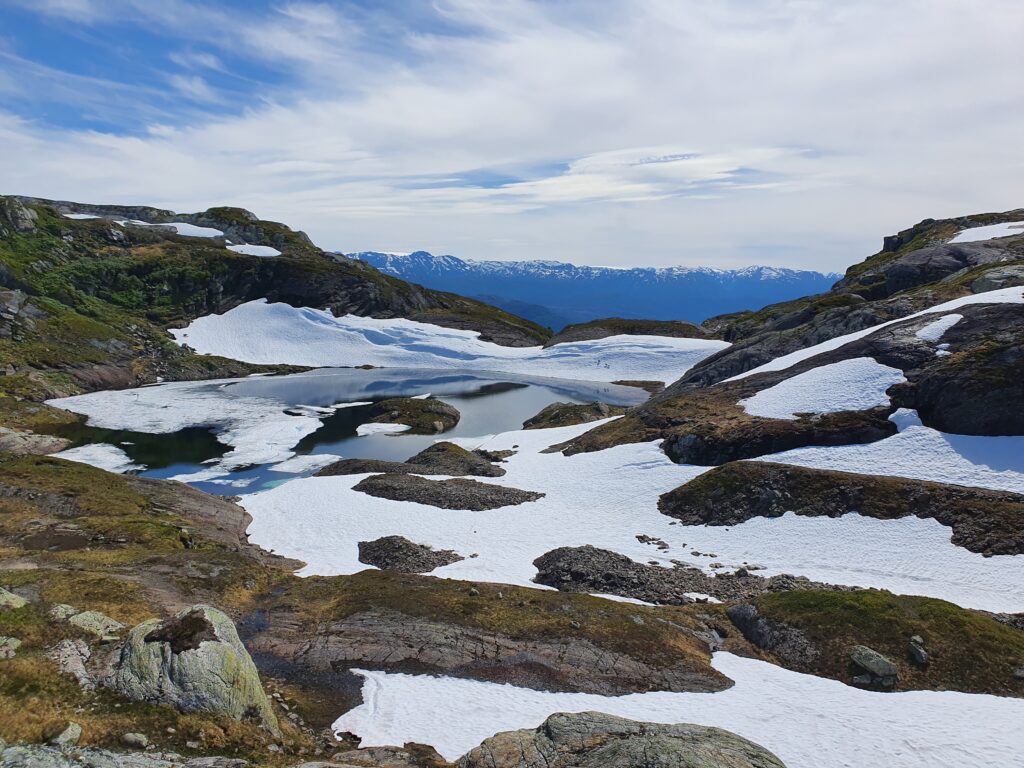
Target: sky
627 133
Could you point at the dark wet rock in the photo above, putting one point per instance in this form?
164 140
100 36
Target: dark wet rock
441 458
568 414
425 416
193 662
916 650
589 569
874 669
597 740
789 644
989 522
617 326
447 494
397 553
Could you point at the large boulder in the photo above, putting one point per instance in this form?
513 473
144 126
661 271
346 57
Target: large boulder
596 740
195 663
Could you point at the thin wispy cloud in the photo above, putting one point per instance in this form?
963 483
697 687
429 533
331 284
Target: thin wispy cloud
638 132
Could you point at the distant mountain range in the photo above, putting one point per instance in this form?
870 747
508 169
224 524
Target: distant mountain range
556 294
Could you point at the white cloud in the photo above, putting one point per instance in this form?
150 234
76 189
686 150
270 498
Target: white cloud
644 132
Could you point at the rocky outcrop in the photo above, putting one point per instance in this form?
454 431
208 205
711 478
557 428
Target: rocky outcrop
424 416
446 494
589 569
787 643
69 756
193 662
397 553
441 458
21 443
873 669
597 740
617 326
384 638
568 414
989 522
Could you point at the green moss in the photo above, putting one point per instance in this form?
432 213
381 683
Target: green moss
970 651
94 490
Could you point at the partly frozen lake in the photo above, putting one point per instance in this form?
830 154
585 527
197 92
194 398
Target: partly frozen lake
186 430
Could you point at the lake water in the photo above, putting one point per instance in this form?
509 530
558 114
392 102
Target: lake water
488 403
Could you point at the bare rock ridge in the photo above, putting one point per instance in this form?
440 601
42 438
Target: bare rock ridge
989 522
441 458
397 553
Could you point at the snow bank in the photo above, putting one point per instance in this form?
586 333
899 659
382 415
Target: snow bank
849 385
254 250
607 499
1013 295
935 331
922 453
258 332
102 455
79 216
181 227
975 234
808 722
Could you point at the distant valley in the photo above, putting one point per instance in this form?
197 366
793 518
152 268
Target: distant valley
555 294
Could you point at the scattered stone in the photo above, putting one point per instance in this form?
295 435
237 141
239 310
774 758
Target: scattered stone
596 740
877 670
8 646
62 612
11 601
446 494
71 656
195 663
918 655
69 736
134 740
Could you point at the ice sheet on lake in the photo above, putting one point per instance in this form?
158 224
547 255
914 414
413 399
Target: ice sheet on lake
307 463
849 385
807 721
259 332
376 428
102 455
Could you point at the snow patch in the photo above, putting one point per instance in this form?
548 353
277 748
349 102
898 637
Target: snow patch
935 330
976 234
255 250
849 385
375 428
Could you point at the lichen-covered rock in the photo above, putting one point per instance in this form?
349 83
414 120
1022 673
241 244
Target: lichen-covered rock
11 601
195 663
96 623
596 740
876 670
8 646
69 756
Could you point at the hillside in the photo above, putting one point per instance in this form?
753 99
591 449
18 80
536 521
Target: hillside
556 294
88 291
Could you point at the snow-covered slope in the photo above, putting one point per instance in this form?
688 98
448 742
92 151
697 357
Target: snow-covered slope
555 293
258 332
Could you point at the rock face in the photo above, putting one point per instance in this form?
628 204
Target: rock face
441 458
589 569
446 494
568 414
397 553
195 663
788 643
989 522
595 740
425 416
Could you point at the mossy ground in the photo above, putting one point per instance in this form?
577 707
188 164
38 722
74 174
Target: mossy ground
969 650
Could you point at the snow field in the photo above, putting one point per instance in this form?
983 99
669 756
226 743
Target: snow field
977 234
304 336
102 455
807 721
255 250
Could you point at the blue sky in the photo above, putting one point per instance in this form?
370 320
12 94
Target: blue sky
653 132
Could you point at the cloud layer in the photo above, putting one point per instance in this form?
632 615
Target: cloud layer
792 132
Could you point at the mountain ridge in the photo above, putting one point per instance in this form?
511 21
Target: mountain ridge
560 293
